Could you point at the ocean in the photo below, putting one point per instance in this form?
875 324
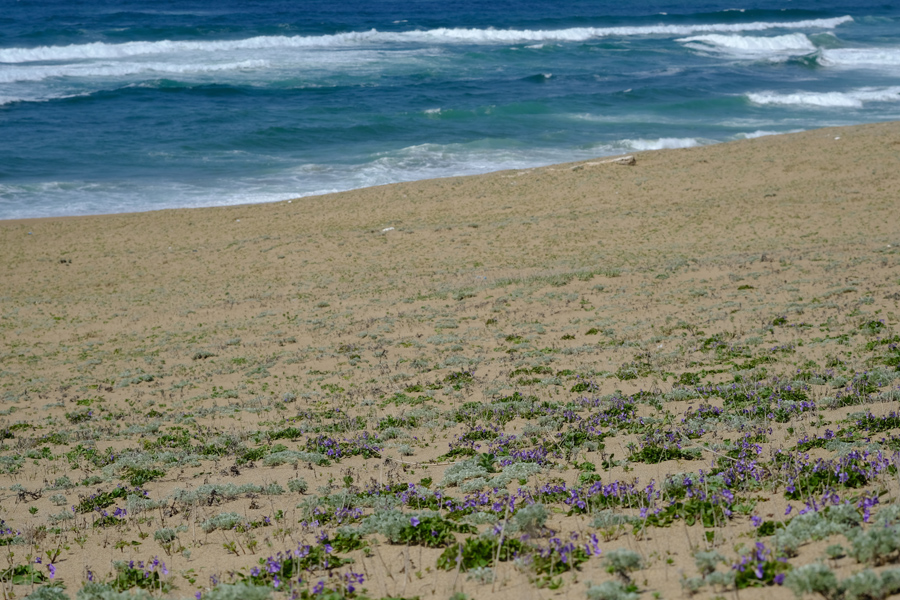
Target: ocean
113 106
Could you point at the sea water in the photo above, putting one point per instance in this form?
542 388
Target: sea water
131 105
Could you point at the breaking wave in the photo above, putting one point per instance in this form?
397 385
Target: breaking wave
432 36
795 43
852 99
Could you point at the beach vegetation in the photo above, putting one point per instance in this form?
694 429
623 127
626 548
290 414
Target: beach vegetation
330 431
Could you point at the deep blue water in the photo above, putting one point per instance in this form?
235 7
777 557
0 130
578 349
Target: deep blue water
121 105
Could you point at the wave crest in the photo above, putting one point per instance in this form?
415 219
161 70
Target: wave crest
751 45
98 50
852 99
40 73
661 144
861 57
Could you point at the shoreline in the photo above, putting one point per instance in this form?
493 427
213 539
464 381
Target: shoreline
352 190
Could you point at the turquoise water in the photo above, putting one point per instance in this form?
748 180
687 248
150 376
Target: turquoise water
117 106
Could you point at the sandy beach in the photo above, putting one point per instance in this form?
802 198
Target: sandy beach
346 341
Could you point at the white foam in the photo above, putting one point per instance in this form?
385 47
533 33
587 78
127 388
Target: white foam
852 99
424 161
40 73
45 97
429 161
99 50
795 43
755 134
763 133
73 197
861 57
661 143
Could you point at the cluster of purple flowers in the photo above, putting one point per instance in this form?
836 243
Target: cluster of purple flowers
51 568
783 348
769 395
812 504
856 391
585 384
539 455
671 438
474 434
827 436
561 550
616 411
760 562
352 579
365 444
4 530
744 470
286 568
873 423
704 411
337 516
854 469
866 505
149 568
592 546
501 501
598 495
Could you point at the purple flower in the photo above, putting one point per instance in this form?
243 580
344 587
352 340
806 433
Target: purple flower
593 546
273 566
414 521
52 570
198 595
757 521
353 578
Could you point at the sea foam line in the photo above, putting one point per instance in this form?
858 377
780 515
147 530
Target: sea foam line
861 57
433 36
852 99
42 72
40 98
753 45
661 143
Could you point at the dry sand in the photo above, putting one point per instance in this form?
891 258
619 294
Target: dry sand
207 319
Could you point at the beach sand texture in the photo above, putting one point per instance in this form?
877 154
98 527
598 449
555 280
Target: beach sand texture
224 325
